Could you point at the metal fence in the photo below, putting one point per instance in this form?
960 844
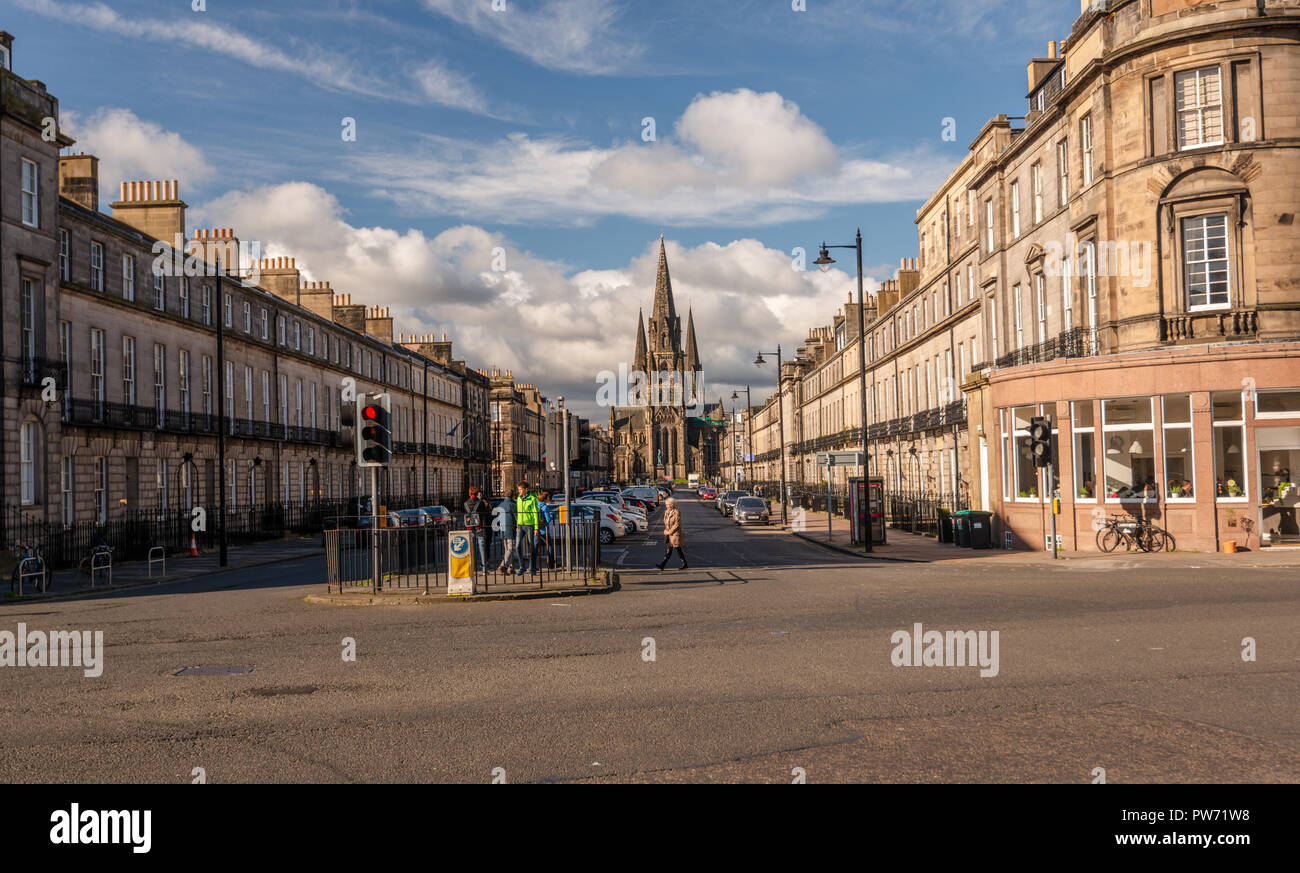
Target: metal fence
919 512
415 558
132 534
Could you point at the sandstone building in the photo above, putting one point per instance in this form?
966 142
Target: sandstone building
1124 263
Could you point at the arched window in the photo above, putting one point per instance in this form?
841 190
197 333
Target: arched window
32 451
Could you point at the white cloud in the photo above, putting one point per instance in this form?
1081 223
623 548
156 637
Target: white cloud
447 88
577 36
554 327
737 156
328 69
130 148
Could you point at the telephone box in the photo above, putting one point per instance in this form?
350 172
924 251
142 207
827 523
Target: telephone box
867 509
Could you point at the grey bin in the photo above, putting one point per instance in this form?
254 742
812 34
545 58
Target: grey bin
960 530
980 525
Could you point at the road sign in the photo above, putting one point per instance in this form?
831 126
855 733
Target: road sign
460 564
839 459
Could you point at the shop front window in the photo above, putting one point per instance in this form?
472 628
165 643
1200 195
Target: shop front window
1180 456
1130 463
1229 446
1023 471
1085 451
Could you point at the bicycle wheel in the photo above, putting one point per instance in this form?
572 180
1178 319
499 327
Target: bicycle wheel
1108 539
1166 542
1149 538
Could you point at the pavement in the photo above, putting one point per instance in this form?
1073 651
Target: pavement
771 658
915 548
133 574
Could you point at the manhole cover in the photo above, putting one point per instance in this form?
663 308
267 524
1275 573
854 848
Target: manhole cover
213 671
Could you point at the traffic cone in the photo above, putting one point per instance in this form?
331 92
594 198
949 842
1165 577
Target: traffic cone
194 546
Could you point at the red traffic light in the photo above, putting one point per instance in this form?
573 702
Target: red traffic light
370 413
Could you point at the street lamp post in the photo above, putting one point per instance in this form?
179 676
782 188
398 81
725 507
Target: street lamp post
749 422
221 416
780 420
568 520
824 261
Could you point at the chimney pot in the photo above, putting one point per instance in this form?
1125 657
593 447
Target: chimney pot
1051 49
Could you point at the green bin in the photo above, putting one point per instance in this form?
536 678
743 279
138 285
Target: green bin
960 530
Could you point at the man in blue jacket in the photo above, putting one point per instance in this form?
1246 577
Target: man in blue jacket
508 528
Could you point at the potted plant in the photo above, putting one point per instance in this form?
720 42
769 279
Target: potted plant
1234 490
1283 488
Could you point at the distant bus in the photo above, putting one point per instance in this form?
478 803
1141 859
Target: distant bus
693 481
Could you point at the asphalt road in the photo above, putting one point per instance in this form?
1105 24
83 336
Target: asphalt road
770 654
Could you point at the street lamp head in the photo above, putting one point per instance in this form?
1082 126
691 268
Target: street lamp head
824 259
758 362
735 395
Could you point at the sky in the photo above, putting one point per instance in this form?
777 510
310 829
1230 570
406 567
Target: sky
501 170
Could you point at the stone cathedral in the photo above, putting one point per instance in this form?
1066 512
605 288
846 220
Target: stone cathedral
662 435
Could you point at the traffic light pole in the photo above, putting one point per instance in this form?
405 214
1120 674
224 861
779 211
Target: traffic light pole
374 528
1051 477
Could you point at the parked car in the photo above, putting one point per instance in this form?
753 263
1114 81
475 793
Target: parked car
364 522
635 518
414 518
650 495
727 501
611 524
708 493
439 516
751 510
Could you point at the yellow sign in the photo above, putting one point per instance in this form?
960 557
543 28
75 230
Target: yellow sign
460 562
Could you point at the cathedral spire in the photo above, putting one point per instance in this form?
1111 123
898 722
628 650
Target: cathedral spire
692 352
639 362
664 308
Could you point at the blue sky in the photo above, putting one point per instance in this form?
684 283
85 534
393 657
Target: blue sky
522 130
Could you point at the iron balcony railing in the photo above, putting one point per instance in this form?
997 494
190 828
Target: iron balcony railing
1078 342
35 370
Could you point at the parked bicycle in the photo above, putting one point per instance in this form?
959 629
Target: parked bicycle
30 561
87 565
1134 534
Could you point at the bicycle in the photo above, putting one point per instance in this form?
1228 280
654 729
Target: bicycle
22 554
1135 534
87 564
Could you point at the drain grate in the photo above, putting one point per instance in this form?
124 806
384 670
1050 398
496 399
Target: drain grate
214 671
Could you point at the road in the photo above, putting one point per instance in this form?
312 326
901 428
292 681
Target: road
772 661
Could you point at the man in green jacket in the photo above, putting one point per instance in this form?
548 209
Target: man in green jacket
527 518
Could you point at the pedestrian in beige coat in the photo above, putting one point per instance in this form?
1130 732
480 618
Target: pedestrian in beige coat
672 533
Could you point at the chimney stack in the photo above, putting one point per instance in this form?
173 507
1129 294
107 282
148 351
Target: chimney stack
280 276
79 180
154 208
317 297
217 245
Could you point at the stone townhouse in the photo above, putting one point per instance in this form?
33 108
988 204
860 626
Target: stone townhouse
517 427
112 375
1123 263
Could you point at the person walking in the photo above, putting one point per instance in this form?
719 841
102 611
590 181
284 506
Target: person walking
548 515
672 533
508 526
527 517
478 521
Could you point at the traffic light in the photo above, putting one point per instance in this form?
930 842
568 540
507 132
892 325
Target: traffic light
348 427
376 431
1040 440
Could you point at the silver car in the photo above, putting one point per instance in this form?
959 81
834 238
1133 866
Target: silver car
751 510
